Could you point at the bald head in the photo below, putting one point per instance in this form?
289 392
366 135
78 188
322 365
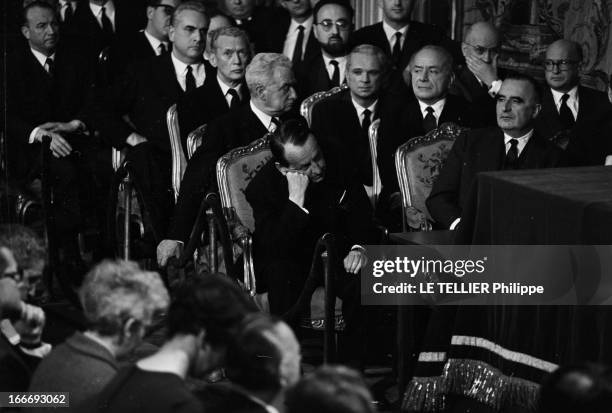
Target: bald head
562 65
482 42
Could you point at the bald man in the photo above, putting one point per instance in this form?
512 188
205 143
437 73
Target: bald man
577 118
478 81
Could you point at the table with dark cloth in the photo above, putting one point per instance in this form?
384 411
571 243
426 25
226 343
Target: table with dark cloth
492 359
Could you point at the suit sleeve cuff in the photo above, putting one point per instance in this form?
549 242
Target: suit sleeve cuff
454 224
494 89
302 208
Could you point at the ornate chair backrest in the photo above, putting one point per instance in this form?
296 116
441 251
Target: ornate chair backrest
234 172
179 162
418 163
309 103
194 140
117 158
374 190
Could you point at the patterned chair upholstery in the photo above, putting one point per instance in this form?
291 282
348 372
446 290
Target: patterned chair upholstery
312 100
374 190
179 161
194 140
418 163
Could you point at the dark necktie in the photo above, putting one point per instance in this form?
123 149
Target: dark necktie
235 102
107 26
335 79
161 48
365 123
50 66
397 48
511 161
429 122
566 115
276 124
190 83
297 50
68 12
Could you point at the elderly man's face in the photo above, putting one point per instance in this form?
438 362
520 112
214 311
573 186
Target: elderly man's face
564 67
240 9
430 76
279 94
188 36
397 11
306 159
333 29
160 16
364 76
231 56
516 107
482 43
297 8
41 30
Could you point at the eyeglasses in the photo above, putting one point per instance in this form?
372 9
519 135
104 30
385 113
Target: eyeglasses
16 275
340 24
480 50
168 10
561 64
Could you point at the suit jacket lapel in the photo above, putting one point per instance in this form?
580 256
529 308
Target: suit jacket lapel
166 76
491 155
531 155
381 38
252 128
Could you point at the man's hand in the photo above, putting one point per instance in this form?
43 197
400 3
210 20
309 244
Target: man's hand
30 326
298 183
487 72
355 261
166 249
135 139
11 305
73 126
59 146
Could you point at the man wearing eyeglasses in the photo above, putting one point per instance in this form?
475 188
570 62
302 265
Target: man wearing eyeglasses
333 24
576 117
478 81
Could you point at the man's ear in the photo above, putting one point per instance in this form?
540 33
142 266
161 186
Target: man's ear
536 110
132 328
171 34
212 58
150 12
25 30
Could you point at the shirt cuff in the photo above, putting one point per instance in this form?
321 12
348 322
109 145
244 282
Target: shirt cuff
608 161
454 224
33 134
41 351
358 247
302 208
494 89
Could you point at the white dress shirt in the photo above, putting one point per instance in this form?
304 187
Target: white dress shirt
292 35
390 34
438 107
109 6
264 118
360 109
572 102
225 88
522 141
62 8
180 68
155 42
330 68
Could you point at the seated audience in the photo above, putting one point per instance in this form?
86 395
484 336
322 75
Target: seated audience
344 119
272 89
333 24
578 118
330 389
119 303
203 318
21 327
262 361
513 144
577 388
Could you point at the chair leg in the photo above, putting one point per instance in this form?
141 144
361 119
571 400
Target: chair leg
329 340
212 239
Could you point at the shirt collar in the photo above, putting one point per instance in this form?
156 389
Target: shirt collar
181 67
573 95
264 118
341 61
42 59
306 23
225 88
360 109
523 139
437 107
109 6
154 41
390 31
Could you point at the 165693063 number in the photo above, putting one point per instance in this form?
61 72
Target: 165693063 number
34 399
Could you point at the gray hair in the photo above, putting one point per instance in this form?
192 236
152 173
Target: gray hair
447 58
229 31
261 70
115 291
188 5
369 50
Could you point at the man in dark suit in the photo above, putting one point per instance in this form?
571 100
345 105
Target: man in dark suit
578 118
514 144
333 24
478 81
249 17
296 198
144 96
291 32
400 37
46 94
230 55
344 119
272 89
430 74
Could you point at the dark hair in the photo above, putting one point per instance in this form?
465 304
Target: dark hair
342 3
577 388
537 91
27 247
253 360
294 131
36 3
330 389
209 302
